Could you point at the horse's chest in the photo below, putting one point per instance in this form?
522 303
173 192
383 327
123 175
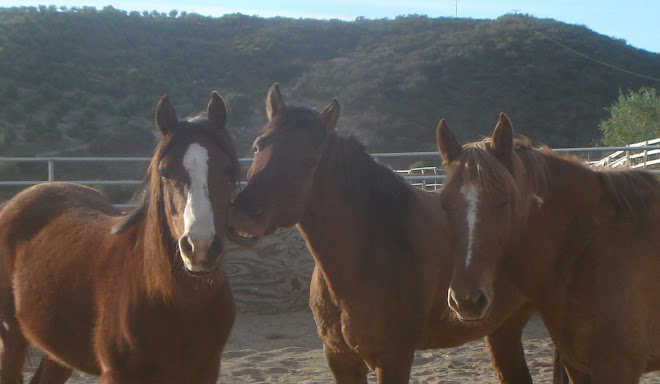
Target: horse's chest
182 328
175 343
352 328
357 334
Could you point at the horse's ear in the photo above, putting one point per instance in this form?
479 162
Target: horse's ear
216 111
448 146
274 102
503 138
329 116
166 119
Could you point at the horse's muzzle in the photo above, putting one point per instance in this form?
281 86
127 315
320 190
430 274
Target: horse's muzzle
199 259
470 306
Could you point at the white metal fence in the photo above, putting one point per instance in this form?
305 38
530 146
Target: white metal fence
644 154
628 159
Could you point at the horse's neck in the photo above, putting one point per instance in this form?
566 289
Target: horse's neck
332 228
342 235
558 227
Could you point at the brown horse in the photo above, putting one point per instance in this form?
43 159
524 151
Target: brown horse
138 298
378 290
583 245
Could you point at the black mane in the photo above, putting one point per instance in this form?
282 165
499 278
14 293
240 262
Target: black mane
374 189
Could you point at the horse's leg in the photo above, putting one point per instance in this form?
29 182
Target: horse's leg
397 370
50 372
506 350
12 354
209 372
613 368
109 377
559 372
347 368
573 376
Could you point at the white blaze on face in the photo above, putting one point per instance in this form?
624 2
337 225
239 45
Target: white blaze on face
198 214
471 196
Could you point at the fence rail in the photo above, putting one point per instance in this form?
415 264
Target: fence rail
623 158
644 154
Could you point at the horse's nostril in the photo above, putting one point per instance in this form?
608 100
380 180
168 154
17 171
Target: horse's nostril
216 248
480 299
453 303
185 245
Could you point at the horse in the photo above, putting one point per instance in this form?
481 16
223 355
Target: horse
381 263
582 244
132 298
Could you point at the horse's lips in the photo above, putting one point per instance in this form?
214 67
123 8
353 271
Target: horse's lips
201 273
206 272
473 319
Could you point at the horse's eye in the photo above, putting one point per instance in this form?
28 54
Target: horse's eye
163 173
256 145
502 204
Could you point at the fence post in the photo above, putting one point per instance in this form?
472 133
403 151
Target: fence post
51 170
646 151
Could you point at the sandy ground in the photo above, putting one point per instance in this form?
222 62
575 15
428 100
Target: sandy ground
294 355
284 348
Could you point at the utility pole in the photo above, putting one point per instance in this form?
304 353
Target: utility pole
457 9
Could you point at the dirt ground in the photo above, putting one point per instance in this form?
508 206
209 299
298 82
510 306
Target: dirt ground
284 348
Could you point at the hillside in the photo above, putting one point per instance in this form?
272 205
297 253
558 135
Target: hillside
85 81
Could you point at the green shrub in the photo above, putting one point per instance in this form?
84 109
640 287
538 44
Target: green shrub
634 117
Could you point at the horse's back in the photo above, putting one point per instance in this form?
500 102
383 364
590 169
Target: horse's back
33 208
49 211
33 211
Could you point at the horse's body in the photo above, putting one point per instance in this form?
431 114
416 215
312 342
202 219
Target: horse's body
114 295
583 245
378 290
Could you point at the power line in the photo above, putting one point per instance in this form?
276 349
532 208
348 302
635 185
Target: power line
588 57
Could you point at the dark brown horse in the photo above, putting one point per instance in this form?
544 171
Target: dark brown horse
583 245
141 298
383 266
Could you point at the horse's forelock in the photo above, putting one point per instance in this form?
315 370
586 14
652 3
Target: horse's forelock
477 166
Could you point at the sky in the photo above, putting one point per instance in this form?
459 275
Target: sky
635 21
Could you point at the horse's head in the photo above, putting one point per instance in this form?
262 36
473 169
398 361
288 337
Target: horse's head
286 156
482 198
193 175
